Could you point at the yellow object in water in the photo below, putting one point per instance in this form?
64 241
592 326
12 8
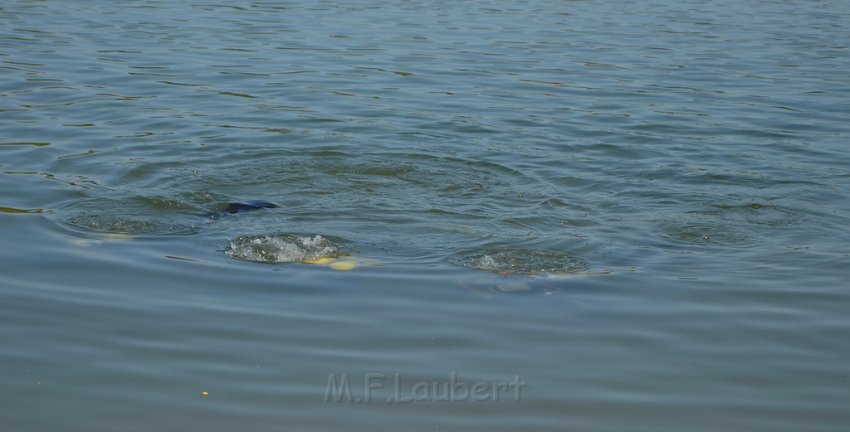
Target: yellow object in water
323 260
343 265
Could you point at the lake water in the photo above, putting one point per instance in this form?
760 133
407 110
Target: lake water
503 215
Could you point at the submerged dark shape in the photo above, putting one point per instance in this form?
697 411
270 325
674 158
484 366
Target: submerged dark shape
242 207
246 206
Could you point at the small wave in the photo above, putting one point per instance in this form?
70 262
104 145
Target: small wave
523 261
282 248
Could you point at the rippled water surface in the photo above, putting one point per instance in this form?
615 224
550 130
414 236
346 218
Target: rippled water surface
636 210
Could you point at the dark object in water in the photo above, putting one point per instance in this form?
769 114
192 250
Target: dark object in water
246 206
241 207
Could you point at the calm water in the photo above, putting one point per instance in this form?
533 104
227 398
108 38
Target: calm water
637 210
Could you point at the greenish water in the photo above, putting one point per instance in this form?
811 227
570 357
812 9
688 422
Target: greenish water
638 211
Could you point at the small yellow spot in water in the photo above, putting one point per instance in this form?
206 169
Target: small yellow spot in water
324 260
344 265
205 393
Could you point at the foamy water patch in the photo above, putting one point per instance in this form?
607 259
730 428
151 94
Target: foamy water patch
283 248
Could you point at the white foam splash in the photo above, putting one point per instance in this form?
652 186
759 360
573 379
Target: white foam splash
282 248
